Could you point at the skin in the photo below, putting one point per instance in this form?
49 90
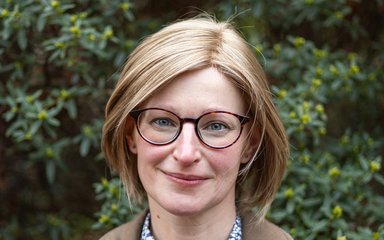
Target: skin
191 187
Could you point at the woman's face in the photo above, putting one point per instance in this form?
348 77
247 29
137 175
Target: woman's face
187 177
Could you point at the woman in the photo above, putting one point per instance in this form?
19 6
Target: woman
192 130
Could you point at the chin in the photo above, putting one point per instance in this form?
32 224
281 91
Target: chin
184 210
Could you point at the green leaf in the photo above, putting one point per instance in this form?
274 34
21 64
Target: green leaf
84 147
50 170
22 39
320 226
379 179
71 108
41 22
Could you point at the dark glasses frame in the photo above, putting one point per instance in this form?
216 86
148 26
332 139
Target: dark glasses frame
135 114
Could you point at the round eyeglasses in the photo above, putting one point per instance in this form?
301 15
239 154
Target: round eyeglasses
217 129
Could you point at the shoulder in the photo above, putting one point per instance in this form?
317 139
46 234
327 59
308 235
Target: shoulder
130 230
262 229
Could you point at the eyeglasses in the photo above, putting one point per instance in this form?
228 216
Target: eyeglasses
217 129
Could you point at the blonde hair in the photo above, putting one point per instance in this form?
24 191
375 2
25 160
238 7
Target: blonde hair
189 45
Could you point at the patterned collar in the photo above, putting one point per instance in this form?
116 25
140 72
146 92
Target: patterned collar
236 233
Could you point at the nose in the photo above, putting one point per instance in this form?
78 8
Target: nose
187 146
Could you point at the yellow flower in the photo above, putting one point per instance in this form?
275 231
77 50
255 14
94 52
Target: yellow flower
59 45
42 115
333 70
91 37
55 4
305 158
277 48
107 34
64 94
354 69
299 41
316 83
319 71
319 108
292 115
374 166
114 190
73 18
114 207
320 53
305 105
124 6
334 172
376 236
292 231
83 15
337 212
28 136
282 94
75 30
305 119
49 152
4 13
29 99
342 238
87 131
104 219
104 182
289 193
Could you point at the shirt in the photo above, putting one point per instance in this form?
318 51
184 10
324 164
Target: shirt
236 233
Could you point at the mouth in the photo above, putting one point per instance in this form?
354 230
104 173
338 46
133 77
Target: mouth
185 179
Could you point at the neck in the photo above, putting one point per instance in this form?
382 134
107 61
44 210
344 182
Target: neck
212 224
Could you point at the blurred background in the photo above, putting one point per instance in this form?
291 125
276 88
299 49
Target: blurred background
59 61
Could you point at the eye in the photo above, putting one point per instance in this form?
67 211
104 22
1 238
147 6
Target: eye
216 126
163 122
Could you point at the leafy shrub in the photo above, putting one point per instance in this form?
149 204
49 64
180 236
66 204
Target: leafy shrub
58 64
58 60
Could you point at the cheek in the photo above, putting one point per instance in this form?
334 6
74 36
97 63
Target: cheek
148 154
226 160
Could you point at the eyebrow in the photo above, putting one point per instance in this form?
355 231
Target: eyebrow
171 108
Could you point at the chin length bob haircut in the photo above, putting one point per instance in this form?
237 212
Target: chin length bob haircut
190 45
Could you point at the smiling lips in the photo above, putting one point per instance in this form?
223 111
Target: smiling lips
185 179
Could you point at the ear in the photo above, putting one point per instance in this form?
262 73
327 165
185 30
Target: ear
251 147
130 135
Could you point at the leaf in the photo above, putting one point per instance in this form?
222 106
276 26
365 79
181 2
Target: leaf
53 122
320 226
84 147
50 170
35 127
72 109
22 39
41 21
379 179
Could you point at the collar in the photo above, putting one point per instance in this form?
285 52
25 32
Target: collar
146 234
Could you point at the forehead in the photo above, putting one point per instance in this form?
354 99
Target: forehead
199 91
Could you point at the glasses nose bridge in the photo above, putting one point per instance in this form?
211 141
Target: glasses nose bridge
194 121
190 120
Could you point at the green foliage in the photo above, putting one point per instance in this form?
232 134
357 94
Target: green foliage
328 99
58 59
57 67
115 209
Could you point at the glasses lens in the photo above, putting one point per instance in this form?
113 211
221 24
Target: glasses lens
158 126
219 129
